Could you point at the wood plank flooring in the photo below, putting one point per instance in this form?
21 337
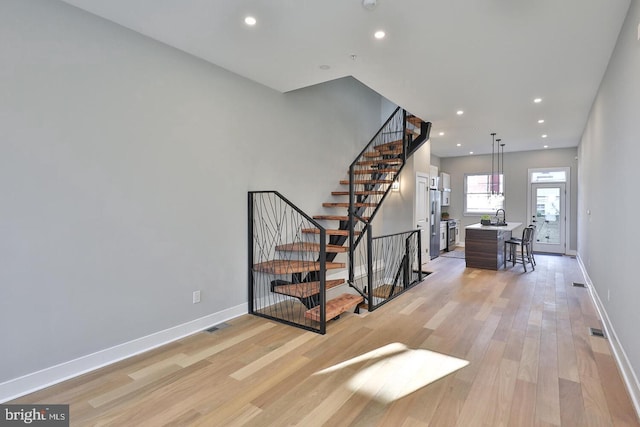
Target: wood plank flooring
525 335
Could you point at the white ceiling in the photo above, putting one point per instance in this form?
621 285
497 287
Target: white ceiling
490 58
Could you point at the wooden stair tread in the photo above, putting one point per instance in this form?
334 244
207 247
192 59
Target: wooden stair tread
283 266
370 171
307 289
389 145
416 121
383 291
309 247
330 232
364 305
335 306
357 193
346 205
336 217
367 181
393 161
380 153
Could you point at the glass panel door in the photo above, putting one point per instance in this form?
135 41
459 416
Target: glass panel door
548 206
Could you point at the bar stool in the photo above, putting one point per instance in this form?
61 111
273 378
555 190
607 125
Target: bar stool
533 239
524 246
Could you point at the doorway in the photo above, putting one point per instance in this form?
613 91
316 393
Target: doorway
548 209
422 212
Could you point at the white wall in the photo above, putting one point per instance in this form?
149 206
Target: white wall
516 182
609 199
124 171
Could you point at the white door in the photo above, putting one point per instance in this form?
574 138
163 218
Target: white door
422 212
548 214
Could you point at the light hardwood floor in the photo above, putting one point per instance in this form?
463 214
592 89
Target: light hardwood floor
532 363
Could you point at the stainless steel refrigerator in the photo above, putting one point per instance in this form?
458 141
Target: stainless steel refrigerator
434 217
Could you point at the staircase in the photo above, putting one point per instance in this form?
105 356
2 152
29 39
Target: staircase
290 252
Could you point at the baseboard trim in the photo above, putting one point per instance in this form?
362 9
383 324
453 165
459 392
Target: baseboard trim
628 375
47 377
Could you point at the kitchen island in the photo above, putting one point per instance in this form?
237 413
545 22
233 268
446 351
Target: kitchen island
484 244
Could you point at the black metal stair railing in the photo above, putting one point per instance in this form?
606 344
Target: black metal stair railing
373 172
289 252
393 265
287 266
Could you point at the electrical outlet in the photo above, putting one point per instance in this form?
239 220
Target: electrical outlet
196 297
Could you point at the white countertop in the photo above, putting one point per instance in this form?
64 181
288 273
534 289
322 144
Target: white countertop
509 227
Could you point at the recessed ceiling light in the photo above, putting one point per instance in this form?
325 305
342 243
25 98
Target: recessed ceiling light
458 145
324 67
544 135
545 146
541 121
470 152
441 134
250 20
379 34
537 100
459 112
369 4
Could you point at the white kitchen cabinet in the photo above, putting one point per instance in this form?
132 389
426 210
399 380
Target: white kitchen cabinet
434 178
445 188
445 181
443 235
458 234
446 198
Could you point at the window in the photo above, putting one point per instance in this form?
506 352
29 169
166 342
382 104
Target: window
548 176
477 194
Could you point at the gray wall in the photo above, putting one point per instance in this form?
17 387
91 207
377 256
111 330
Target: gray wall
608 200
436 161
515 171
124 171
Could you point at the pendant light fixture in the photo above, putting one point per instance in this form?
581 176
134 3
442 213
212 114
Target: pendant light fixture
498 193
490 181
496 180
495 194
502 174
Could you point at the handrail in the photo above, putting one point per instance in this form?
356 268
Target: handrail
296 208
393 265
390 125
375 211
266 273
396 234
382 171
364 150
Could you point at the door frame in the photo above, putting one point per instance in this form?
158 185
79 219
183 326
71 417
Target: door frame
567 198
425 250
561 246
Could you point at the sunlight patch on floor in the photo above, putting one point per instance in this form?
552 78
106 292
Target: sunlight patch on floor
378 353
395 371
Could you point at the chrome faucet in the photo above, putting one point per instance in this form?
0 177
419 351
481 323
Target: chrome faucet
504 216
